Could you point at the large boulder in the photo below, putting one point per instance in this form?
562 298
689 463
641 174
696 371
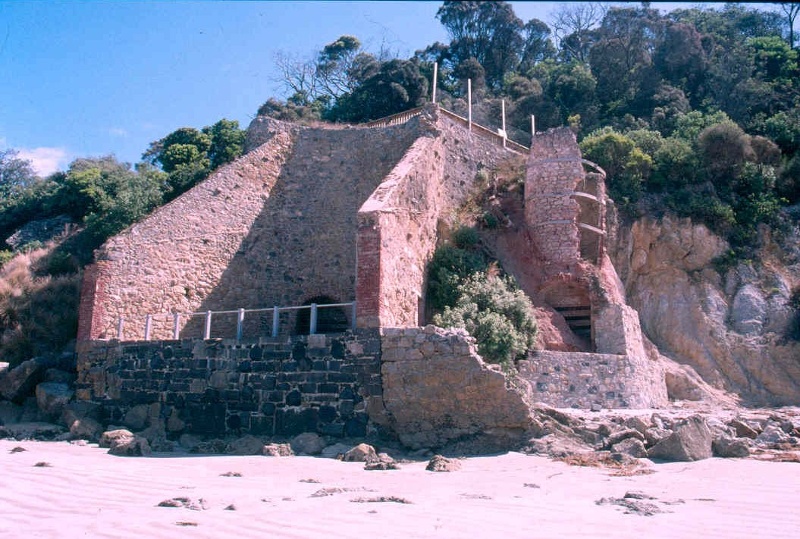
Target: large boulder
690 440
136 417
443 464
18 383
9 413
361 453
630 446
277 450
85 428
246 445
773 434
728 447
110 436
307 443
134 446
52 397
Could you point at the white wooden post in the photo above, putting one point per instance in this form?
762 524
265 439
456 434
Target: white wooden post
176 326
276 320
239 325
207 334
533 127
469 104
435 73
148 322
503 112
313 325
120 325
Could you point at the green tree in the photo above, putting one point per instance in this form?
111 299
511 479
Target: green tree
16 175
490 32
227 142
627 166
396 87
107 195
182 147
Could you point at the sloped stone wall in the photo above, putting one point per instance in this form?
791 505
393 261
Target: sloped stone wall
174 259
276 227
398 225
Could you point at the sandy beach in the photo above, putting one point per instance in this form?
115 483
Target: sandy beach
56 489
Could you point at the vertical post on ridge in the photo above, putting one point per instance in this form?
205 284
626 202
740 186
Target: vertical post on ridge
313 325
276 320
176 326
239 325
207 334
148 323
503 112
120 325
435 73
469 104
355 312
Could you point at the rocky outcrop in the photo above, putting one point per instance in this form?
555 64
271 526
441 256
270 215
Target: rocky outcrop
18 383
732 328
690 440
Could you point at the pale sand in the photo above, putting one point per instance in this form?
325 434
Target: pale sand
88 493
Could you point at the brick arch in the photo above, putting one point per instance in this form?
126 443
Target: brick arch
329 319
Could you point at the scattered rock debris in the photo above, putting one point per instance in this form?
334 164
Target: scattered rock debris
443 464
381 499
182 501
43 465
230 474
636 503
17 449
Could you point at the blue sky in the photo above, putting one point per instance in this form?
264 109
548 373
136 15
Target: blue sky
89 78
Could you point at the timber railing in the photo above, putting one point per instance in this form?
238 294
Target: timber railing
207 317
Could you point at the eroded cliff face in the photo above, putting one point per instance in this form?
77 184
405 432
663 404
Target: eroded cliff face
733 329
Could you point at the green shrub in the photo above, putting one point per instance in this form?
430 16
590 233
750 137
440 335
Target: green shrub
448 267
466 237
5 256
494 311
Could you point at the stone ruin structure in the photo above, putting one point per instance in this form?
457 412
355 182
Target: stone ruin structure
328 215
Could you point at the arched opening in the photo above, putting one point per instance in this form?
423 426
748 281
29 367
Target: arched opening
329 319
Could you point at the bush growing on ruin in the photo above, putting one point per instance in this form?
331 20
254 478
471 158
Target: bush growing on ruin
494 311
449 266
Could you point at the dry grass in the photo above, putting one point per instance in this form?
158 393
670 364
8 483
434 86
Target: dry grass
38 313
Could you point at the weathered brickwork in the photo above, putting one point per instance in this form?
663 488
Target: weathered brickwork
398 224
319 383
175 258
554 170
437 389
581 380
